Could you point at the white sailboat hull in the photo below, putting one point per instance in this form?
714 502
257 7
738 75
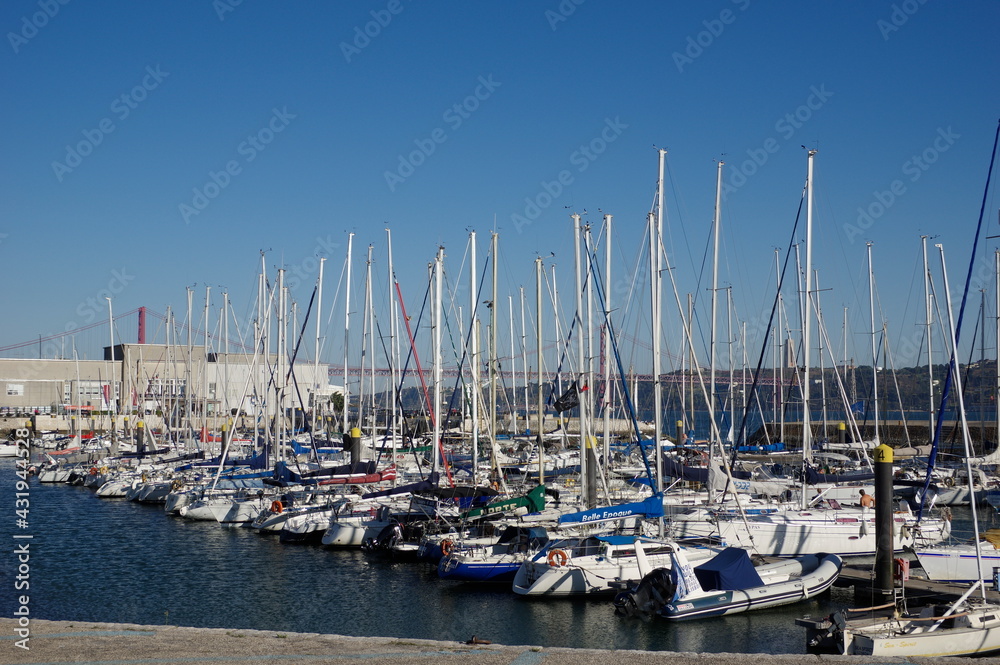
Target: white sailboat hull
957 563
973 632
352 534
810 531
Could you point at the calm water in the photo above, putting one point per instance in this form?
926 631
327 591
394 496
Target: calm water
118 561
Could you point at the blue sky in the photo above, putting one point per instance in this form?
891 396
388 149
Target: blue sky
151 147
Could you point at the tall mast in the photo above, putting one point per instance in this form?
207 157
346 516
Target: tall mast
279 386
524 361
187 370
779 361
393 322
730 342
319 311
589 395
474 352
493 340
204 372
655 290
513 373
688 353
538 369
369 349
225 367
607 318
716 222
259 348
438 291
655 334
871 308
806 323
581 362
347 329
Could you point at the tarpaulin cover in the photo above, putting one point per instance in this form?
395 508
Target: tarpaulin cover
423 485
730 569
814 477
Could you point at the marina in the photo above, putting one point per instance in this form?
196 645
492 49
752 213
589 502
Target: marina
121 561
508 333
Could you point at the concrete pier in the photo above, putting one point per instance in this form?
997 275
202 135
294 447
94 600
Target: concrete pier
58 642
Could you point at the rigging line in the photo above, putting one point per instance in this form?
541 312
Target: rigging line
460 378
612 336
291 367
63 334
895 381
946 390
716 437
410 353
871 386
917 270
770 322
563 358
849 415
336 293
432 413
965 373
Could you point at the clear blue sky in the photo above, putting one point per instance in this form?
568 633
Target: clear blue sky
117 115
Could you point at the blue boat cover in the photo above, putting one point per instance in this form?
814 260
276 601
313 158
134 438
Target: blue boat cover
423 485
239 483
814 477
698 474
729 570
650 507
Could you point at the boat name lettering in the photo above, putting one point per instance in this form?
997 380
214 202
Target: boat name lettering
606 515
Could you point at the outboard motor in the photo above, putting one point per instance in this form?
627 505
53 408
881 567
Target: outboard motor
653 592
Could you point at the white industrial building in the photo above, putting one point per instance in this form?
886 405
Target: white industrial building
144 379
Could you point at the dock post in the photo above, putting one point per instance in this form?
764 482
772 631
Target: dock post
883 521
353 441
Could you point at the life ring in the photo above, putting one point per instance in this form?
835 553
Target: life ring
277 507
446 546
93 470
557 558
949 481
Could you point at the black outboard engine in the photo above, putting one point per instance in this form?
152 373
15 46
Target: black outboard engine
653 592
385 540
